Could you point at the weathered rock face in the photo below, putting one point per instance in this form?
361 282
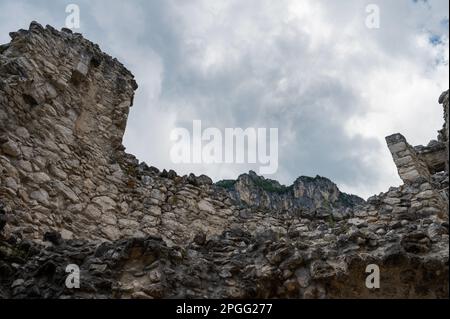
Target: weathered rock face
233 265
70 195
306 197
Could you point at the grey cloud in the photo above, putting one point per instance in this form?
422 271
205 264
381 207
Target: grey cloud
249 64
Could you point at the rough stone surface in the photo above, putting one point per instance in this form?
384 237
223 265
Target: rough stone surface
70 194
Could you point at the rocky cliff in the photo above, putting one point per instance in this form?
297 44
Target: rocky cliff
70 194
306 197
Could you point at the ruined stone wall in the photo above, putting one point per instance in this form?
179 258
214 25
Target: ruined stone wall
425 168
421 161
64 110
70 194
64 107
410 167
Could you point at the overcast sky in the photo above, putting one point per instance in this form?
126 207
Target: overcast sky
333 87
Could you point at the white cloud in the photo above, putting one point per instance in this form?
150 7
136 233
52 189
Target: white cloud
333 87
15 15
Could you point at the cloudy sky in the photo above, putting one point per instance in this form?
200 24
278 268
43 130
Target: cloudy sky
332 86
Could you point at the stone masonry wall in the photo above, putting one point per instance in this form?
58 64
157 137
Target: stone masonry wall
69 193
64 110
410 167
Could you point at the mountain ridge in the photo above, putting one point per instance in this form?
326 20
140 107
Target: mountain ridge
71 195
309 196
